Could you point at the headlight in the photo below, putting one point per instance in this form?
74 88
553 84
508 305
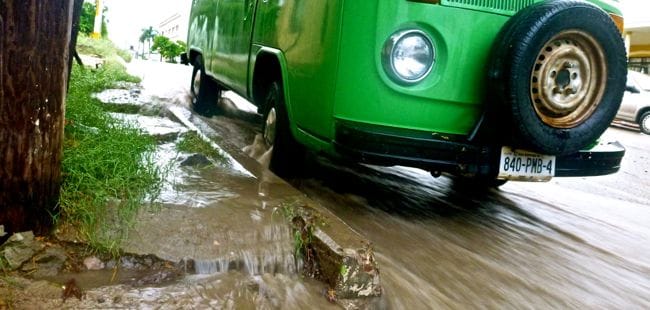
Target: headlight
408 56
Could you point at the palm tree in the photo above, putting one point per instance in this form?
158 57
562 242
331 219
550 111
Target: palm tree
147 36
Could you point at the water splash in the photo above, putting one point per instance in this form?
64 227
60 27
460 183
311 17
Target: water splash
257 252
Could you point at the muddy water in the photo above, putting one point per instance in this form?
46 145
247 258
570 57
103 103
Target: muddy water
527 245
237 245
577 243
569 243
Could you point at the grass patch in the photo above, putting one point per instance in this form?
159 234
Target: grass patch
108 166
122 108
192 143
101 47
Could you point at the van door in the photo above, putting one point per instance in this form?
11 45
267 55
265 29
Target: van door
230 51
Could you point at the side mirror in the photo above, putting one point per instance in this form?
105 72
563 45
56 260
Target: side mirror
184 59
632 89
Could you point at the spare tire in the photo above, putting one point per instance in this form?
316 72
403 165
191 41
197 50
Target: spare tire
557 74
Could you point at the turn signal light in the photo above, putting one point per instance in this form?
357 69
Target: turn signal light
619 21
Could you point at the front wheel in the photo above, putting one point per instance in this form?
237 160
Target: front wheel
287 157
644 123
205 91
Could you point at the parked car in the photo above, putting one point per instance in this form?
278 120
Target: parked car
636 101
487 90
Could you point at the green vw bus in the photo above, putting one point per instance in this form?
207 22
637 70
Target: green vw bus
484 89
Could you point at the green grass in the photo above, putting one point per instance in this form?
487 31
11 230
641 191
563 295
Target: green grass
108 167
102 47
192 143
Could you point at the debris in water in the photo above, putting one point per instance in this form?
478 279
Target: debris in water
71 289
196 160
331 295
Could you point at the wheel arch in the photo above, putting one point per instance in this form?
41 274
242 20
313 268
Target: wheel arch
642 111
269 65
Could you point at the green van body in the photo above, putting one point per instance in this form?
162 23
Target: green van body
328 57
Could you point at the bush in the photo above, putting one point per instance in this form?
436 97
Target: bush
167 48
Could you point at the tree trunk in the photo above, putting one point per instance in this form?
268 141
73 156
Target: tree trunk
34 48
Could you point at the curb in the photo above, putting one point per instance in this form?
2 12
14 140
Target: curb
333 253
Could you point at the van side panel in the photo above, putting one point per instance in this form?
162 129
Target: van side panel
222 30
307 32
201 34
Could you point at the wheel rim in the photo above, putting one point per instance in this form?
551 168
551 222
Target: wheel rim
196 83
645 124
269 127
568 80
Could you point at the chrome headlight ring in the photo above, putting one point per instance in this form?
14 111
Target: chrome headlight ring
408 56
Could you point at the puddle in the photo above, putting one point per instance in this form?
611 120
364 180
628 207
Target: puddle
184 115
196 186
163 129
146 276
121 96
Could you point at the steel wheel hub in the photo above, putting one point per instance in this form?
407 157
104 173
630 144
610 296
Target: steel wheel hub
269 127
645 123
568 80
197 82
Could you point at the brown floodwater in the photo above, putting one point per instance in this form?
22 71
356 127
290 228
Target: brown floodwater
575 243
571 242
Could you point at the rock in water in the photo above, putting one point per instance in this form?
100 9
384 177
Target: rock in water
196 160
93 263
20 248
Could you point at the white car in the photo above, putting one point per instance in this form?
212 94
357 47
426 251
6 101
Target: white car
636 101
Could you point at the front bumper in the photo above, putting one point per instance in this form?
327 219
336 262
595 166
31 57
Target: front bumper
454 154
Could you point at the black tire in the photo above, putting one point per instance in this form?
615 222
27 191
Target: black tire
550 102
204 99
288 156
644 123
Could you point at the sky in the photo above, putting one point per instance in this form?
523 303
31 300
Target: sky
636 11
127 18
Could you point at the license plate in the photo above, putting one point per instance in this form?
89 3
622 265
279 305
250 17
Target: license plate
525 166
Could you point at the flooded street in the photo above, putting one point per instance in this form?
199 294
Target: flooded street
568 243
576 243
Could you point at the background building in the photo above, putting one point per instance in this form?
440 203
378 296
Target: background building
637 34
638 41
175 26
127 19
